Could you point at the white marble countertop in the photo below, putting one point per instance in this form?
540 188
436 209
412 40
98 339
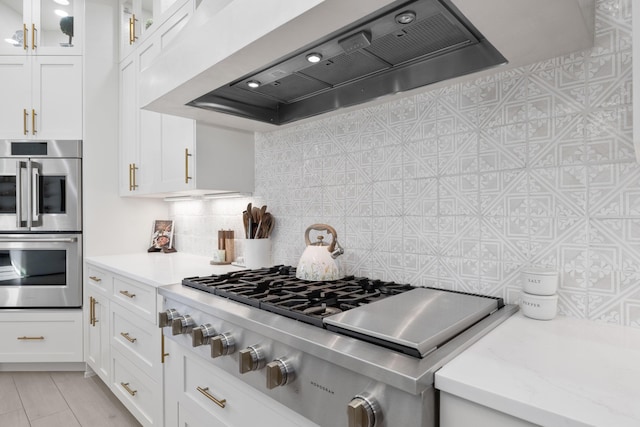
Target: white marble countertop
159 269
564 372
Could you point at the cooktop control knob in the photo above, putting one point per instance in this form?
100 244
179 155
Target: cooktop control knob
166 317
182 325
279 373
222 345
363 411
202 334
251 359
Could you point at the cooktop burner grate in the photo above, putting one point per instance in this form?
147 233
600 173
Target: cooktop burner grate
278 290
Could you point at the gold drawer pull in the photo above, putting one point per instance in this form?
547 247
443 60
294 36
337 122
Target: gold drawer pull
30 338
127 337
205 391
127 294
126 387
95 279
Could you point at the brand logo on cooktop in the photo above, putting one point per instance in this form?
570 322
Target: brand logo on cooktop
321 387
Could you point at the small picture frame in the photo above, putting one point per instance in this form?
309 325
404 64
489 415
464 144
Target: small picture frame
162 236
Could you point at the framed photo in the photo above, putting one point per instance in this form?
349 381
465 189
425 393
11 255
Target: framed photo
162 235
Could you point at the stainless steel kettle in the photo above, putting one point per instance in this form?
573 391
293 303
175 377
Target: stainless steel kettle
318 261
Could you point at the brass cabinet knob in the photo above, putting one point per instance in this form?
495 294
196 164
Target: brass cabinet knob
251 359
222 345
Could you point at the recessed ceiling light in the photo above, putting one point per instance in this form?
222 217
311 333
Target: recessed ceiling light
406 17
314 57
253 84
62 2
61 13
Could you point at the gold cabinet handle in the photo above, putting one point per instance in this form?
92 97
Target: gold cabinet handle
127 294
95 279
24 120
132 177
33 122
31 338
93 311
33 37
91 308
205 391
24 36
127 337
132 29
126 387
162 353
186 166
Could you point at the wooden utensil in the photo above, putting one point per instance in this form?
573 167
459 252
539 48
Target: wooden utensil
261 214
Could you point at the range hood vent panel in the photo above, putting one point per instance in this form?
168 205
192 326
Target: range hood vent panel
291 88
439 37
430 36
346 67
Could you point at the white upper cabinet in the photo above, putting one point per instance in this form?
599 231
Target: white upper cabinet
41 27
41 97
140 18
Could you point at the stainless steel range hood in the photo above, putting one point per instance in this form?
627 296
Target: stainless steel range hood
366 50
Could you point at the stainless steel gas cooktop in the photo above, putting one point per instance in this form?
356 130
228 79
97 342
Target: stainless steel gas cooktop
397 316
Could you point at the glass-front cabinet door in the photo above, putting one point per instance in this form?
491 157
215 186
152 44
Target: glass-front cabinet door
41 27
136 18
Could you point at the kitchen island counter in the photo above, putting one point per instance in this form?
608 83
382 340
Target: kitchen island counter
564 372
159 269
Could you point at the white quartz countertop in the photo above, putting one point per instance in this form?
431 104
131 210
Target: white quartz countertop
564 372
159 269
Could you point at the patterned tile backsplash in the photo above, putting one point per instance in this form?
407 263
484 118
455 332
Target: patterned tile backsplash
463 187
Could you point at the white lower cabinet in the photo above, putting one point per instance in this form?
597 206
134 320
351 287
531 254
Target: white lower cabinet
41 336
199 394
458 412
141 394
123 341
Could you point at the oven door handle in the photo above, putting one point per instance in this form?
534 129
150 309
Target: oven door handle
19 194
35 188
38 239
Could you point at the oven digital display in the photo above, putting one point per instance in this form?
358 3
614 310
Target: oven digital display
28 148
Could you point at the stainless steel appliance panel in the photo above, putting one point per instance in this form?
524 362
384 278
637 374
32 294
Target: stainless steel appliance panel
419 319
40 270
40 186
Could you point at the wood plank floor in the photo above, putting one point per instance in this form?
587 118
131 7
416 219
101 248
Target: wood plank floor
59 399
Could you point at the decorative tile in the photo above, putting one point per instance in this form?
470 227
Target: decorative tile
503 147
558 191
557 141
609 135
458 195
458 153
504 193
614 190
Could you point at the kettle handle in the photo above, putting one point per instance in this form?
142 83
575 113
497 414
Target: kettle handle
322 227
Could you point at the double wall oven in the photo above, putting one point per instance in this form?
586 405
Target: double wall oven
40 223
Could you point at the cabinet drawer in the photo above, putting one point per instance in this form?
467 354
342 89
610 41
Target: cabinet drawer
243 406
140 394
99 280
41 336
137 339
137 297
